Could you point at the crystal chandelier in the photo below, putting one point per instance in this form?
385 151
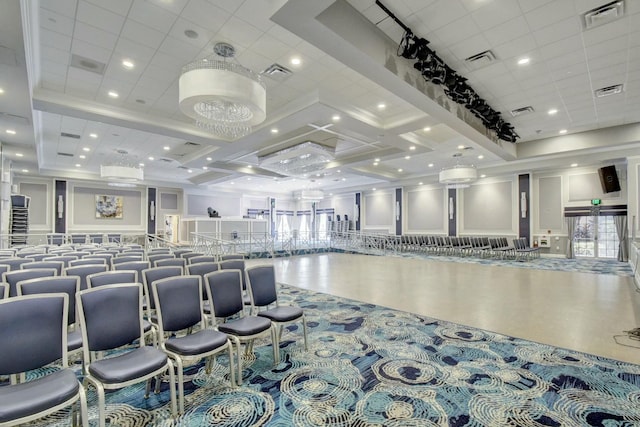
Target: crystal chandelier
458 176
222 97
299 160
121 171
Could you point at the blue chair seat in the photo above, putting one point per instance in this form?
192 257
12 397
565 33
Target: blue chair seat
246 326
74 340
197 343
134 364
282 313
29 398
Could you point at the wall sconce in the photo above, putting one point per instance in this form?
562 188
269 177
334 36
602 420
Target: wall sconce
152 211
60 207
451 212
397 210
356 212
523 204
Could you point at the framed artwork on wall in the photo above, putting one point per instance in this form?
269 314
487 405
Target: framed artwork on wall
109 206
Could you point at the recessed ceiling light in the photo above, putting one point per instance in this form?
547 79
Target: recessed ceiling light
232 183
1 91
274 130
399 169
407 157
189 170
127 64
93 135
562 131
86 149
82 156
338 171
335 118
413 147
331 194
11 131
430 165
166 148
427 129
376 159
375 163
249 166
344 179
483 176
78 165
523 61
374 188
25 170
249 179
19 155
204 168
141 164
191 34
552 112
382 106
295 61
151 158
481 157
113 94
460 147
208 159
573 165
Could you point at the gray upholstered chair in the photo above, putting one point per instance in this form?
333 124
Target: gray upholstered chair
179 252
90 260
56 238
157 257
58 265
41 323
201 269
112 277
114 238
237 264
179 308
172 262
201 258
133 265
64 258
261 285
119 259
111 318
77 238
69 285
190 255
231 256
4 290
13 277
149 276
159 251
84 271
14 263
36 257
225 299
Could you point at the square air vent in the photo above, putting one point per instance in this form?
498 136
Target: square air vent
65 154
523 110
603 14
480 60
70 135
607 91
88 64
277 72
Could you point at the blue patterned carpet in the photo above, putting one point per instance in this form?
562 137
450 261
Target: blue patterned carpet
372 366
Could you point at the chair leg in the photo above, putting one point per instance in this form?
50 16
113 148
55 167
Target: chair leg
172 389
179 369
239 354
276 345
304 331
147 390
84 413
232 368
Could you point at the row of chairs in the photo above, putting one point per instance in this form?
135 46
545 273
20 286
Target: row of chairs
468 245
111 316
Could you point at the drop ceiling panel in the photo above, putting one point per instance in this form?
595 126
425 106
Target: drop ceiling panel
151 15
98 17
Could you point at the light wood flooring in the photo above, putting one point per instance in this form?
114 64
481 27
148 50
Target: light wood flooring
579 311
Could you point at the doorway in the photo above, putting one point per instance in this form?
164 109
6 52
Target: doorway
596 237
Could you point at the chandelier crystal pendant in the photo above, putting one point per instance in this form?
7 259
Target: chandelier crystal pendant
222 97
121 170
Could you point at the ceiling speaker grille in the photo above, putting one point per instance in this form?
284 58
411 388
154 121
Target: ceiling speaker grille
609 90
88 64
603 14
70 135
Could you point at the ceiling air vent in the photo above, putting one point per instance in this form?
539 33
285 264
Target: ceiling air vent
520 111
191 144
603 14
277 72
70 135
165 160
183 167
609 90
65 154
480 60
88 64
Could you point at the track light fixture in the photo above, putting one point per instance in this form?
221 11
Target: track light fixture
434 70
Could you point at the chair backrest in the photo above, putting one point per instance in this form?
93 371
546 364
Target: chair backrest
78 238
51 285
14 263
153 274
231 256
111 277
126 258
114 238
13 277
96 238
202 268
64 258
179 252
3 269
4 290
171 262
132 252
58 265
41 323
202 258
224 289
110 316
79 254
55 239
36 257
190 255
87 261
178 302
157 257
158 251
261 282
235 264
83 271
138 266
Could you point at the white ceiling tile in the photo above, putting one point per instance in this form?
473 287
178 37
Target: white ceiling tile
507 31
121 7
441 13
56 22
239 33
205 14
179 50
470 47
257 13
151 15
156 78
495 13
459 30
528 5
581 80
54 67
572 45
167 62
515 48
270 47
99 17
138 53
615 74
606 47
139 33
116 71
90 51
549 14
284 36
94 36
52 54
229 5
55 85
76 75
615 58
181 25
558 31
63 7
606 32
53 39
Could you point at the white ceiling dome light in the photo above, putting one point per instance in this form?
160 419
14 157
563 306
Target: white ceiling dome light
459 175
224 98
121 171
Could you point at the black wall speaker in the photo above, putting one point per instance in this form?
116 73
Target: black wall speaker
609 179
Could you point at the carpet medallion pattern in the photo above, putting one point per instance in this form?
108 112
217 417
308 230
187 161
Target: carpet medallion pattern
372 366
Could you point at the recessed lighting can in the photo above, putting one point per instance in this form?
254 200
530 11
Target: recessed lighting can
562 131
407 157
573 165
150 157
524 61
335 117
274 130
93 135
552 111
166 148
480 157
427 129
19 155
296 61
127 64
382 106
412 148
208 159
11 131
430 165
86 149
113 94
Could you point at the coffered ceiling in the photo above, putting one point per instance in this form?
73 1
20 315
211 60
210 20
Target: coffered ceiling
350 91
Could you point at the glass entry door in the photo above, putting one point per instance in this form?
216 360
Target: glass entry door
595 237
